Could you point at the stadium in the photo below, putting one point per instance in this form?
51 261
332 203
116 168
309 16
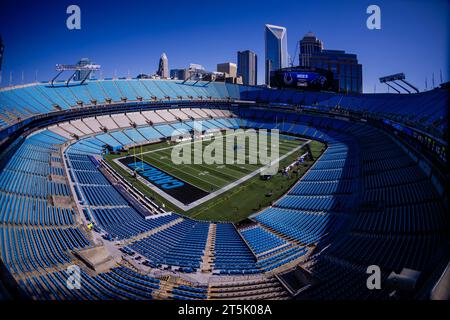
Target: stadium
79 189
249 175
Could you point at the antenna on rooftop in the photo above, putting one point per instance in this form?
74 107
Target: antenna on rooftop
292 59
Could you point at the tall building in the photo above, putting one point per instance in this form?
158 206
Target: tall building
230 69
179 74
344 66
309 45
196 71
81 74
275 49
196 66
163 67
247 67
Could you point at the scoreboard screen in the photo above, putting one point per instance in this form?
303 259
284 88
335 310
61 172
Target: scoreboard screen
306 80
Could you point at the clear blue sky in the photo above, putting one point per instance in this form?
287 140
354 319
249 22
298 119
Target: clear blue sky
130 35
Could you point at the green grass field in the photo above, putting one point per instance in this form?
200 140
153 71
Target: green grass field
238 202
210 177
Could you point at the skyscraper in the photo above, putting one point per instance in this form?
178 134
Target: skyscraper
275 49
163 68
196 66
196 71
309 45
230 69
247 67
179 74
345 68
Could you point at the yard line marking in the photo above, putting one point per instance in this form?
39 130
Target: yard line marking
240 181
203 167
207 169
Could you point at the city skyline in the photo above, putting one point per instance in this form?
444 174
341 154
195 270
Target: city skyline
137 48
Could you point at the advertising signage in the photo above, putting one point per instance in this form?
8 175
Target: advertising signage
314 80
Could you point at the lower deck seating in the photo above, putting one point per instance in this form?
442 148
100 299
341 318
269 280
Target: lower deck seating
184 292
119 283
26 250
305 227
182 245
24 210
255 288
232 256
261 240
339 280
38 228
125 222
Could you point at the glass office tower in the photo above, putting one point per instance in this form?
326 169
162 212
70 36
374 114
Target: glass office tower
309 45
345 68
247 67
275 49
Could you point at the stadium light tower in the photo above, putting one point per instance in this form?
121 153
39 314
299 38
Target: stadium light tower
398 77
88 68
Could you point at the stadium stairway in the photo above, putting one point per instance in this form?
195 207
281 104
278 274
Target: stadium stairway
208 258
273 251
253 288
146 234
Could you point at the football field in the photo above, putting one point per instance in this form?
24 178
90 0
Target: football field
211 177
213 191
